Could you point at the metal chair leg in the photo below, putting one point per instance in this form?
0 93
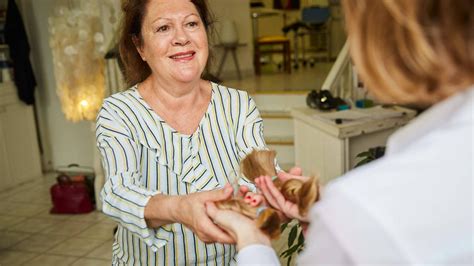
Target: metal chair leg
234 55
221 65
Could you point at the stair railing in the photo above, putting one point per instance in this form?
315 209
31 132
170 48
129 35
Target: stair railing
340 80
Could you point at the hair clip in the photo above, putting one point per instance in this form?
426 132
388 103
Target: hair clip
274 178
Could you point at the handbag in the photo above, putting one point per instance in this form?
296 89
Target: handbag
70 197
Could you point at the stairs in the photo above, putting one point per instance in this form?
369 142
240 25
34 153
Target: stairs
275 109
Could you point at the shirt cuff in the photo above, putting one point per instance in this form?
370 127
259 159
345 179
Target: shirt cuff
257 254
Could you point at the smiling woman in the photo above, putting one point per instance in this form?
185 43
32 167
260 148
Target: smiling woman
135 66
172 139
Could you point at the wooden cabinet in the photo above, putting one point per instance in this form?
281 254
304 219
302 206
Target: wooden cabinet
328 150
19 152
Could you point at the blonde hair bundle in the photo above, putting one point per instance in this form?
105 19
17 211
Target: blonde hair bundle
262 163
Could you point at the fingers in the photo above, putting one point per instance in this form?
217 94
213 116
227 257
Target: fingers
243 191
266 192
253 199
219 217
284 176
211 210
276 194
296 171
240 227
215 234
218 194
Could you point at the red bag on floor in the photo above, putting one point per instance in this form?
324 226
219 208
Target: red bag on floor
70 197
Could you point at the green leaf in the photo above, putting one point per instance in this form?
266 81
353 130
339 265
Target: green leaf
292 235
283 227
366 160
364 154
301 238
292 250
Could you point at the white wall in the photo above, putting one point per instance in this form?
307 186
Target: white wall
64 142
239 12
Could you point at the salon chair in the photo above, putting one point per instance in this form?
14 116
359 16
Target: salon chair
315 24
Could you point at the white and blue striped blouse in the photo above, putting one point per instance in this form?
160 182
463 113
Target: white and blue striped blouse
143 156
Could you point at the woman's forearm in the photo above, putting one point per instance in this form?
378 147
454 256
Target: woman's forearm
162 210
251 236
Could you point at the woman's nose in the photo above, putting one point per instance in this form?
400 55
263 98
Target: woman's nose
180 37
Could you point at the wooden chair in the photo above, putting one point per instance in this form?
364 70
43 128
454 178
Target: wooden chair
277 45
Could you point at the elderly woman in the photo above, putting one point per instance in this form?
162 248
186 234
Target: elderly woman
414 205
171 139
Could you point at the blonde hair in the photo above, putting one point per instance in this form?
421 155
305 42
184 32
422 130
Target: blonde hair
412 51
266 219
259 163
262 162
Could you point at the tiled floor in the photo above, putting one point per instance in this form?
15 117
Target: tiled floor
302 79
29 235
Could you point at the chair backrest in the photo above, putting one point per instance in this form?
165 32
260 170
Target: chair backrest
315 15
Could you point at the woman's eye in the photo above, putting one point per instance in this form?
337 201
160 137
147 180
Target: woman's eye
162 28
192 24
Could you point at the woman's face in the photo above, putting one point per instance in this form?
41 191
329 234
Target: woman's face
174 40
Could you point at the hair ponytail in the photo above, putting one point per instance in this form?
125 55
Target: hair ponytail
260 163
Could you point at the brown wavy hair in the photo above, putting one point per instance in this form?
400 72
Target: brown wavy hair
262 162
412 51
137 70
267 220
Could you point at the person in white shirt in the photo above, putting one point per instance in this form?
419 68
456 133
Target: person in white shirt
414 205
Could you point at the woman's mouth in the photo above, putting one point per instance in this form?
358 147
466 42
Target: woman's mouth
185 56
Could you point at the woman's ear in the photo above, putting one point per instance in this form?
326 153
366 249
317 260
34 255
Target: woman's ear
138 45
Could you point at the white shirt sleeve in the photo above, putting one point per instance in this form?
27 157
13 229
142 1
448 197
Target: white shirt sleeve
322 248
257 255
123 198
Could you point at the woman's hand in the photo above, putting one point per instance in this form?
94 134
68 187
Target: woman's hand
191 212
251 198
274 197
242 229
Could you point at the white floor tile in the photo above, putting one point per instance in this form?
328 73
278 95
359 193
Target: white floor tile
39 243
34 225
68 228
57 217
104 251
305 78
99 231
75 247
9 221
21 209
9 239
92 262
13 258
94 216
52 260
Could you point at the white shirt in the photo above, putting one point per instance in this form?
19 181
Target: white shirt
413 206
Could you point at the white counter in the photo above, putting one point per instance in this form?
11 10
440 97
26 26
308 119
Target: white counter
326 149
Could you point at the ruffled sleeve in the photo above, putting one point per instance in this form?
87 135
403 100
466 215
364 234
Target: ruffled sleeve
124 198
